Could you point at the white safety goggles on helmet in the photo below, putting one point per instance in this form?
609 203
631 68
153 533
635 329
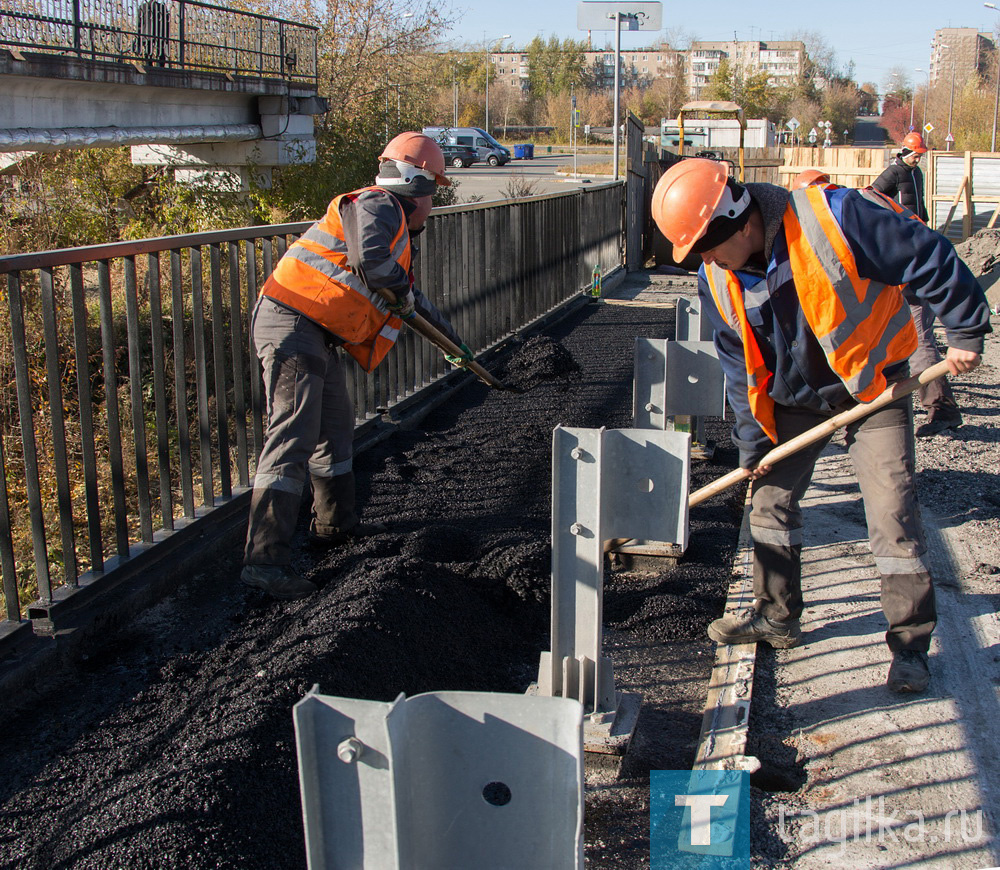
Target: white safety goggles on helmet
405 179
730 215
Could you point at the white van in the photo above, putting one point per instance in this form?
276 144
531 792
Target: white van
486 146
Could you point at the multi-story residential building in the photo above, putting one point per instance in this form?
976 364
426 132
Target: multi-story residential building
783 61
960 52
511 67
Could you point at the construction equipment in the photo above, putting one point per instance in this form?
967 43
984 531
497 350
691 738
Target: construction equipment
823 430
713 107
428 330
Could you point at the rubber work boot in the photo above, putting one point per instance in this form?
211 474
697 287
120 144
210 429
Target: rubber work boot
338 537
936 424
278 581
751 627
908 672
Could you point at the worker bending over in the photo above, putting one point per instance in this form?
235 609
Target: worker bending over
804 290
321 299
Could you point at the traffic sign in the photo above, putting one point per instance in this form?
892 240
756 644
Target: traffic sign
792 123
949 138
928 128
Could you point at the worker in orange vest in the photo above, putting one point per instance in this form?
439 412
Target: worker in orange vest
320 302
804 291
903 181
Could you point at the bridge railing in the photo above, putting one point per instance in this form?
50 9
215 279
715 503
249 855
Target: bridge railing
130 399
177 34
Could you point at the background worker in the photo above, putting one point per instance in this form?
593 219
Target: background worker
804 292
903 180
321 299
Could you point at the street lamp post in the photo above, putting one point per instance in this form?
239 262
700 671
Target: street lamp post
996 98
488 44
951 106
927 96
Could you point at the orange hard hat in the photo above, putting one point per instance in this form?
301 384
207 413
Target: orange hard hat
915 142
809 177
689 196
420 151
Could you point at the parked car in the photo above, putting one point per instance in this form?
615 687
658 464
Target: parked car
459 155
484 144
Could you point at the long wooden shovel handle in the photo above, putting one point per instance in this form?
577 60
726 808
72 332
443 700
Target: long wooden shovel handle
422 326
823 430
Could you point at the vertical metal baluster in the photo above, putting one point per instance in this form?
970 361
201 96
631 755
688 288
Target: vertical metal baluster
256 396
8 566
517 297
56 412
201 378
219 369
135 392
477 288
111 408
180 381
89 451
24 410
239 361
160 392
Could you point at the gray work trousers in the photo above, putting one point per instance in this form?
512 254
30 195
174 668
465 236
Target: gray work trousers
881 447
309 435
936 396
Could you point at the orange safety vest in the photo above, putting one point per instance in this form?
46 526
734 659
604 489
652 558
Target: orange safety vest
862 325
314 278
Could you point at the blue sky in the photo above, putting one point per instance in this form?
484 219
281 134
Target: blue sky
877 36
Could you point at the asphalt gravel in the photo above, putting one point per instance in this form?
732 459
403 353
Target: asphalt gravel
170 745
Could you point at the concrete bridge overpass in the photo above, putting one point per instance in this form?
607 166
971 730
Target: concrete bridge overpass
215 93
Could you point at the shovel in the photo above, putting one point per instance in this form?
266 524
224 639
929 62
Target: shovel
823 430
428 330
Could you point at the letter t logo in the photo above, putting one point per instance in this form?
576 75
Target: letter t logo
701 814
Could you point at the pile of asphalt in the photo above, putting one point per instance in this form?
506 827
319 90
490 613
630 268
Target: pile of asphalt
171 744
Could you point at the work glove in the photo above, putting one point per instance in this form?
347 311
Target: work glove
460 361
404 306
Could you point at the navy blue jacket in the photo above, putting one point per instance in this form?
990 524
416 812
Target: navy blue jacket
887 248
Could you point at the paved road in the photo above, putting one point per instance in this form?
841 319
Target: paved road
488 182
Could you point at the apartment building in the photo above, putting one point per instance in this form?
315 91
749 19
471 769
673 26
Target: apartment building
783 60
511 67
960 52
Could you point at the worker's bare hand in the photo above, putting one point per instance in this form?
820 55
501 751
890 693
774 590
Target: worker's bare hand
759 471
962 360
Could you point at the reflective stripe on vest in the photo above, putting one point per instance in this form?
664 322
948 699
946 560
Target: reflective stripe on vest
727 290
313 278
862 325
876 197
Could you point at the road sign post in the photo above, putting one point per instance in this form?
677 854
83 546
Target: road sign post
637 15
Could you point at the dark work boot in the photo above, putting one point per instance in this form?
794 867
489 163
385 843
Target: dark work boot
334 518
750 626
278 581
908 672
938 423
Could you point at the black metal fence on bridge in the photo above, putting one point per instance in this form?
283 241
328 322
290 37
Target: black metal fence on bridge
178 34
131 402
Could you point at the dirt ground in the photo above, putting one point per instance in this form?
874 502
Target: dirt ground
171 745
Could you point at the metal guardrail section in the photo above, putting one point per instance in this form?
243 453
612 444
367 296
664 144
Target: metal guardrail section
86 483
178 34
441 780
